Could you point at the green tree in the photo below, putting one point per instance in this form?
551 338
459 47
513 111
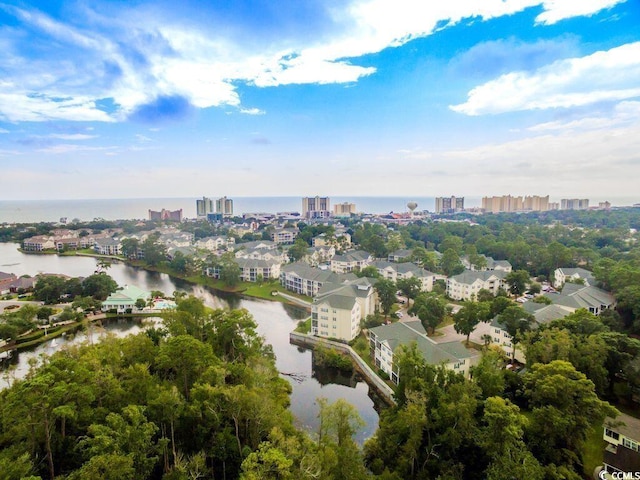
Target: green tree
452 242
339 453
130 247
499 305
44 313
86 303
229 270
99 286
73 288
155 252
430 309
469 316
410 287
502 440
517 281
179 263
369 271
516 322
564 408
386 290
488 374
49 289
127 435
450 263
184 359
298 250
426 259
628 299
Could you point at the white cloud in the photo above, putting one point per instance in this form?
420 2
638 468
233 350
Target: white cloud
602 76
4 130
64 148
252 111
22 106
624 112
556 10
132 56
71 136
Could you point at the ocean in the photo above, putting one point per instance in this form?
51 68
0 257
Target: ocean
30 211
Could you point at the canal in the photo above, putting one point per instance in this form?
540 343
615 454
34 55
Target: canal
275 320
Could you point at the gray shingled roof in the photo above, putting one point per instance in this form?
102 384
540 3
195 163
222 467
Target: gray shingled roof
470 276
405 333
353 256
307 272
343 302
584 274
359 287
581 296
402 268
255 263
544 313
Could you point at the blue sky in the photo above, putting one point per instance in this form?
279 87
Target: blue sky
125 99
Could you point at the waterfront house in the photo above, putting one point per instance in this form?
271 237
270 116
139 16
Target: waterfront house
306 280
251 270
38 243
108 246
384 342
338 309
124 300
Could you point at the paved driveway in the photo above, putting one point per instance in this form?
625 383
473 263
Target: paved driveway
449 334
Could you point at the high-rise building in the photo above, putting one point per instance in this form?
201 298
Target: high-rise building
574 204
224 206
344 209
449 204
507 203
174 215
316 207
535 203
203 207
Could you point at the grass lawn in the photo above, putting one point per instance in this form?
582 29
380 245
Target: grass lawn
593 451
71 253
448 320
304 326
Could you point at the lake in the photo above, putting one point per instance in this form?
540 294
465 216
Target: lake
275 320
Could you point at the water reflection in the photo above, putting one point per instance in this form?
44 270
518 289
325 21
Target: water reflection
20 362
275 321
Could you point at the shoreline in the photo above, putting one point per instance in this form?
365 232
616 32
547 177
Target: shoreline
59 330
289 298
